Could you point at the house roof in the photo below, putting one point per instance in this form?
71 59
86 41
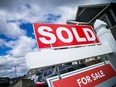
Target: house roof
87 13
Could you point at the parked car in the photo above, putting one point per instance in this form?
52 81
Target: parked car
4 81
41 77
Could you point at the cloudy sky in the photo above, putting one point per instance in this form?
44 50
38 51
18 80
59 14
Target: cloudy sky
16 32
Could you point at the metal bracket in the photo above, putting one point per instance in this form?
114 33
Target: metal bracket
58 72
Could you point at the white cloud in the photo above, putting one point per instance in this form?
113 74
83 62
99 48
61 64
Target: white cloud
8 66
68 13
37 12
9 29
21 46
42 3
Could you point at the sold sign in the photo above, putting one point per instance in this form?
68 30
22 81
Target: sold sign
57 35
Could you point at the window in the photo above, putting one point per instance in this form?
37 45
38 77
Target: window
110 18
106 20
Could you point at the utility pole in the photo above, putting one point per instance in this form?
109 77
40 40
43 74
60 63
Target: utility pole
15 72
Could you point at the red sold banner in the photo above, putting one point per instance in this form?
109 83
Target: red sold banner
102 76
58 35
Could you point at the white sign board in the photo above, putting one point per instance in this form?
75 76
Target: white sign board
54 57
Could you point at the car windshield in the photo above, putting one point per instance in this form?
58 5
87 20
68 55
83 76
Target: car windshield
48 72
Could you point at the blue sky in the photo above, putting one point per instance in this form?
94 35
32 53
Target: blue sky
16 30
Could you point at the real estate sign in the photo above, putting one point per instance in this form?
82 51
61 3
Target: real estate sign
59 35
99 75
